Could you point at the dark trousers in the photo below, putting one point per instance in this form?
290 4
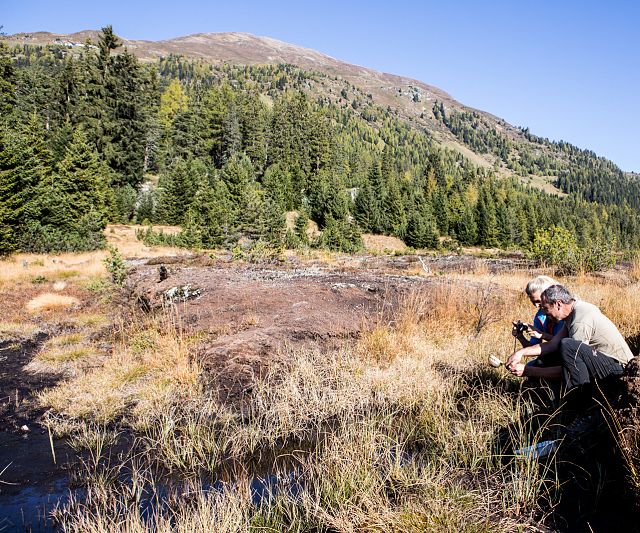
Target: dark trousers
582 364
583 367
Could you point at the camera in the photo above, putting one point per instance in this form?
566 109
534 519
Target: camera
521 327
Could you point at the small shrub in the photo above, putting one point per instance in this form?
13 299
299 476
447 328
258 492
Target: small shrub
559 247
115 266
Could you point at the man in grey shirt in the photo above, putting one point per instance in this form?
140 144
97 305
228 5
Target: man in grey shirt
591 347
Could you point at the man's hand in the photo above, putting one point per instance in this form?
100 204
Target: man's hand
517 369
536 333
513 359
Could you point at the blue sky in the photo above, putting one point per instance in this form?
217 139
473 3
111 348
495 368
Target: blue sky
566 69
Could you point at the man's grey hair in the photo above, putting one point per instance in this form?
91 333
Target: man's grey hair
558 293
539 284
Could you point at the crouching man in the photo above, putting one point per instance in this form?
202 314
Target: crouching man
592 352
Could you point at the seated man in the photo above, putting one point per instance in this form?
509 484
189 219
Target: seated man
592 350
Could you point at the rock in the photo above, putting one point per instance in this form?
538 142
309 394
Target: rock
163 272
181 293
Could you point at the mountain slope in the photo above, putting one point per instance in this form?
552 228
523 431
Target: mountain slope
412 99
483 138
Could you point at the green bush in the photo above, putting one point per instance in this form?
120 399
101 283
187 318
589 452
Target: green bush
83 236
558 247
115 266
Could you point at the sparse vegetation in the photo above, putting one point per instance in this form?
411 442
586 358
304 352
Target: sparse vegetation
404 430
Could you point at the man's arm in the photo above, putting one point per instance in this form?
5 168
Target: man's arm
554 344
535 350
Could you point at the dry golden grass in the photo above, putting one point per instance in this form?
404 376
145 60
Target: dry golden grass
619 303
50 301
65 354
398 434
14 330
90 320
382 243
150 361
370 418
634 271
70 266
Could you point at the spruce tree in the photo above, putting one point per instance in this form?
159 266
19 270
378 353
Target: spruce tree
238 175
231 138
467 228
177 187
277 184
212 212
253 131
25 163
73 203
7 83
12 189
379 190
366 210
421 231
486 219
393 211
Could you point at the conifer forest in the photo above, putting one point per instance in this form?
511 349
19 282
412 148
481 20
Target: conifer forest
93 136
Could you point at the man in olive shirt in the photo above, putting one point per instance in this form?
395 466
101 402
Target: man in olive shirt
591 347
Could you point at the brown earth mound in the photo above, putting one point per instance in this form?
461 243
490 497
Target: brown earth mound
249 313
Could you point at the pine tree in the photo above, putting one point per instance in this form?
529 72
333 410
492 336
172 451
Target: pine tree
366 210
341 235
83 180
486 219
12 188
212 212
301 227
505 221
467 228
238 175
128 123
73 203
178 186
7 83
379 190
327 198
278 186
253 131
231 139
25 162
440 209
421 231
393 211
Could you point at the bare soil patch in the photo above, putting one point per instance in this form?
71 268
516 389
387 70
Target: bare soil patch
248 313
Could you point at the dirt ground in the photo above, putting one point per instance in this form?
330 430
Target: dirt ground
249 313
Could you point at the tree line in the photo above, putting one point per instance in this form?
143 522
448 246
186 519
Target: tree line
227 151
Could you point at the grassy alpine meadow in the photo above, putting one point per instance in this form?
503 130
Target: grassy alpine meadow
405 428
